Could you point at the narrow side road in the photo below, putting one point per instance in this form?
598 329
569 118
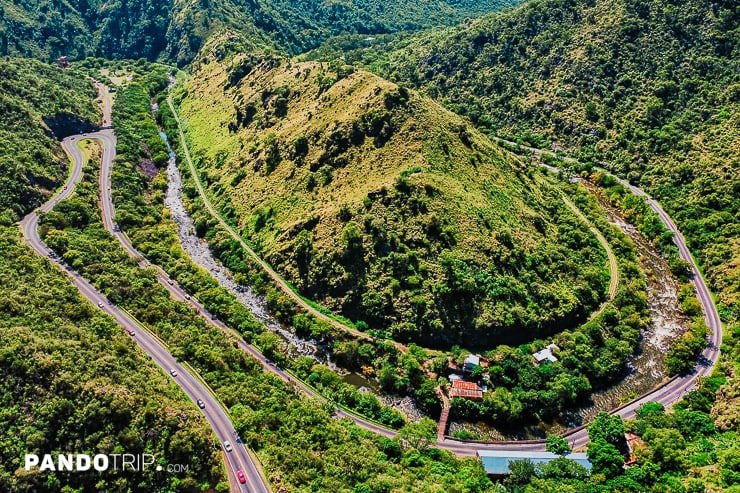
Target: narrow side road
613 267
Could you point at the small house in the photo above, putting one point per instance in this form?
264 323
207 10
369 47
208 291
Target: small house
470 362
546 354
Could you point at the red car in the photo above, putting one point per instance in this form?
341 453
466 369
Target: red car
241 476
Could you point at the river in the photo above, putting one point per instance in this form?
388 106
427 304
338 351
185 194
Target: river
646 369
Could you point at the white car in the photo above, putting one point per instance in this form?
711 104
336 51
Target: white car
227 446
173 372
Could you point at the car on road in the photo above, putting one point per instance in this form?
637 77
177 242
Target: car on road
201 404
173 372
131 332
187 296
65 187
100 304
241 476
170 282
227 446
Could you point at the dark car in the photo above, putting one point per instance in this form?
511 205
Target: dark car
200 403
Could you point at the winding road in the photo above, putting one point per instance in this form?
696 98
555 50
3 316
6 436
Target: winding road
667 393
239 458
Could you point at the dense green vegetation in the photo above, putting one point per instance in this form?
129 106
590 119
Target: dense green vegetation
684 352
38 102
138 184
176 30
384 207
682 451
300 444
591 356
116 401
651 88
71 381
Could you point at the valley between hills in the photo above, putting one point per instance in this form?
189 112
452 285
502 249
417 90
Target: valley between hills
400 260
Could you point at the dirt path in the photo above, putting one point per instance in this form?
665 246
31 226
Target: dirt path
613 268
265 266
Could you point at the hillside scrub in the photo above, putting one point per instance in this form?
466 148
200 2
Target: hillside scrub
140 212
591 356
651 89
386 209
39 103
297 439
73 382
50 400
176 30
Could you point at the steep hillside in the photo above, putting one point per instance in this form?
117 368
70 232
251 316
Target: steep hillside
381 205
652 88
39 104
176 29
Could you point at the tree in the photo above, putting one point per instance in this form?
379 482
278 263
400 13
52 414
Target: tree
609 429
666 447
419 435
426 396
352 236
387 376
269 343
557 445
303 248
522 472
563 468
477 372
731 466
606 458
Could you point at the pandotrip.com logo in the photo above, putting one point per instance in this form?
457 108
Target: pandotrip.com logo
99 462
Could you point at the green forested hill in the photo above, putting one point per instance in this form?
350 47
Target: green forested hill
176 29
72 381
39 104
651 87
385 207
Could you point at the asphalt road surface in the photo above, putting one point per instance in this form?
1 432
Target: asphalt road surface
236 460
667 393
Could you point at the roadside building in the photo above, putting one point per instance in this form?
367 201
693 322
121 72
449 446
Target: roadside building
466 390
496 462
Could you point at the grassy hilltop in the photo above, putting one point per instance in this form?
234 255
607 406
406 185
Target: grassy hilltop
652 88
381 205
